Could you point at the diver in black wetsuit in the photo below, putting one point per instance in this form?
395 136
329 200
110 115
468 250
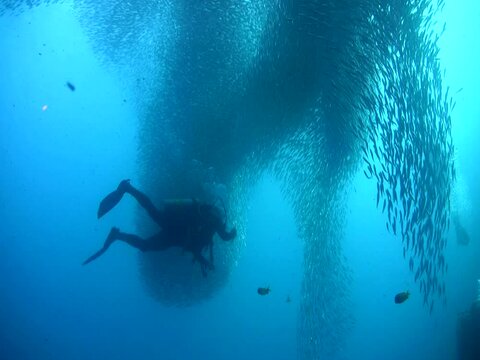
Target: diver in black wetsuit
189 224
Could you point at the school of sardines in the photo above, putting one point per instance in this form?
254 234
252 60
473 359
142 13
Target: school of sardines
409 151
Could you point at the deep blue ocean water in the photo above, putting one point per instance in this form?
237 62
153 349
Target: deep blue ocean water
61 151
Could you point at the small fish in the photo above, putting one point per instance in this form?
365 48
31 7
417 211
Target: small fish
401 297
288 299
71 86
263 291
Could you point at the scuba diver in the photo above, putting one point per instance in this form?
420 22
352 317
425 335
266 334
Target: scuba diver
189 224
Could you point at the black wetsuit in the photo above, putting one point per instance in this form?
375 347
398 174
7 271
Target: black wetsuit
189 224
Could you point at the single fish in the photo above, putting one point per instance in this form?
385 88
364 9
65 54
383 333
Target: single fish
401 297
263 291
71 86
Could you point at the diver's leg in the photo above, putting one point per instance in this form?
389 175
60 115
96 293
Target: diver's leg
143 200
157 242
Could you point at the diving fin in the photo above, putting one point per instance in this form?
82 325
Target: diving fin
109 202
112 236
96 255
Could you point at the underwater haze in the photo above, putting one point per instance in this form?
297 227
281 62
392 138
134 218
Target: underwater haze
339 137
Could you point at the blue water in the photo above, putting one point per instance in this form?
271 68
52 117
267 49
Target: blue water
57 163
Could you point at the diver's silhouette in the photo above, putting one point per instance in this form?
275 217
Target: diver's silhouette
189 224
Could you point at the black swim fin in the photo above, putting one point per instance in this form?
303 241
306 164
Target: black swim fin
109 202
94 256
112 236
